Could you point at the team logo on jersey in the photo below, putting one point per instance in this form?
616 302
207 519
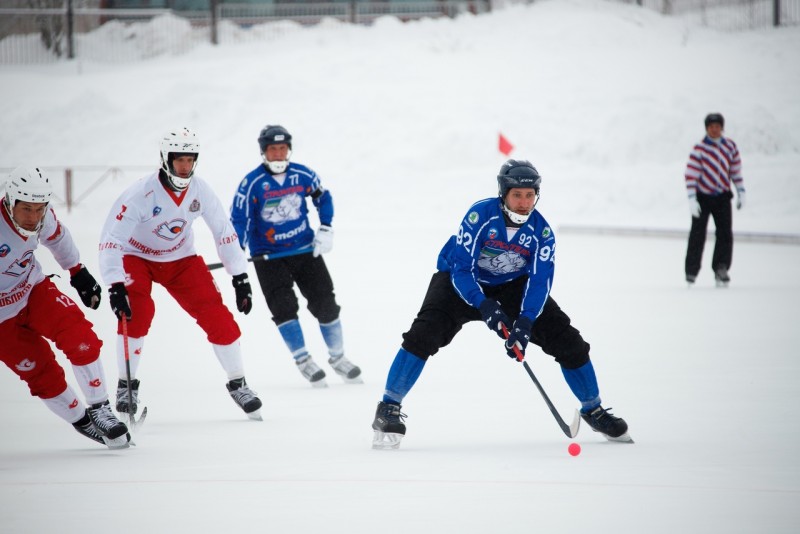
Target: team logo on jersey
546 232
499 262
282 209
4 250
170 230
20 266
25 366
244 183
492 233
156 210
194 206
265 186
473 217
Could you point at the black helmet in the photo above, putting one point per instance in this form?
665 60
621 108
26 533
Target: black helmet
274 135
517 173
715 117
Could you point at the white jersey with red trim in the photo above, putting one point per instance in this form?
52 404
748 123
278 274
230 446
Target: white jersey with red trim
151 222
19 270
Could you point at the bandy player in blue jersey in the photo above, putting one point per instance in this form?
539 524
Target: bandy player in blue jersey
497 268
270 215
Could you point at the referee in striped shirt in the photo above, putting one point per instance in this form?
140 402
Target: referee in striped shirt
714 169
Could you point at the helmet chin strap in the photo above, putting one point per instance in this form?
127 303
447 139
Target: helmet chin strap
22 231
277 167
516 218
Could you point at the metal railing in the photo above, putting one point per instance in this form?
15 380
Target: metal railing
72 185
51 34
46 35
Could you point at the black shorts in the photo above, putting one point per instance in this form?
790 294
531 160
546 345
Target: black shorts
277 278
444 313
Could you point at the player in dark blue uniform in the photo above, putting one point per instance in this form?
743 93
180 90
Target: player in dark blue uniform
498 268
270 215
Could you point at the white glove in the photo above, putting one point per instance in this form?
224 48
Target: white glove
740 199
694 207
323 241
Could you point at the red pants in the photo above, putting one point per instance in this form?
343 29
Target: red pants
49 314
190 283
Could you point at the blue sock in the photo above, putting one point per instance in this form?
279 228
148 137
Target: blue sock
332 334
293 337
403 373
583 383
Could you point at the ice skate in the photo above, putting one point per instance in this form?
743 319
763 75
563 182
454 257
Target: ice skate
105 421
127 414
691 279
311 371
721 276
245 398
85 427
613 428
388 426
122 397
349 372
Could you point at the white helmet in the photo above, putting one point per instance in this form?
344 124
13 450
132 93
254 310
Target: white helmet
181 141
27 184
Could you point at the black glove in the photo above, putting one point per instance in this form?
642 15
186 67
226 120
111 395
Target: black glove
493 315
521 334
118 297
244 294
87 287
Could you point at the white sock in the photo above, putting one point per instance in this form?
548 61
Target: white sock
91 379
230 357
135 345
67 406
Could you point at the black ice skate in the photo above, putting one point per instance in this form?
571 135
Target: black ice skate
245 398
105 421
122 396
349 372
721 276
388 426
86 427
612 427
311 371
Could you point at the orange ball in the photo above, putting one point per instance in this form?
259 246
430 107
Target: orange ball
574 449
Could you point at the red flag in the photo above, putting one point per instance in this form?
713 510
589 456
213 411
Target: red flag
504 145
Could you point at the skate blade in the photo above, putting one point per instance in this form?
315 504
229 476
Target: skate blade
321 383
355 380
255 415
121 442
131 422
624 438
722 284
386 441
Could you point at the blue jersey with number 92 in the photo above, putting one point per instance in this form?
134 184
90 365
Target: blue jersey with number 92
481 253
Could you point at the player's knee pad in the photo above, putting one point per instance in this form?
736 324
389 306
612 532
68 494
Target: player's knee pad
428 333
79 343
283 305
220 326
325 310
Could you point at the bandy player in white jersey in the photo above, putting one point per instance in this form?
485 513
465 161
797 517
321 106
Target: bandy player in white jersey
148 238
33 309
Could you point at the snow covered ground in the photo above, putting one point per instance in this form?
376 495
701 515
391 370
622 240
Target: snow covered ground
401 122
